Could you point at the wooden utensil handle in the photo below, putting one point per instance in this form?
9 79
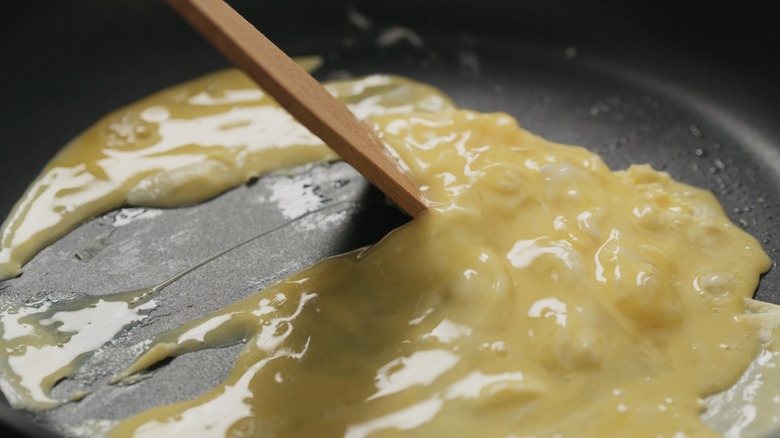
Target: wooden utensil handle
302 96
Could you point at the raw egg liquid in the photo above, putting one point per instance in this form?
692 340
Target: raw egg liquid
542 295
180 146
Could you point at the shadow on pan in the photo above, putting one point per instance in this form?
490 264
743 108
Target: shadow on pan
690 91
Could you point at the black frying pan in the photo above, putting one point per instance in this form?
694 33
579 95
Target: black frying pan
689 89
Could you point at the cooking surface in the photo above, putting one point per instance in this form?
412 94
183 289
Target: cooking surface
630 99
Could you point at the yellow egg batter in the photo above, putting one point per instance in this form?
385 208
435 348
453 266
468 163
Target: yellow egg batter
542 294
180 146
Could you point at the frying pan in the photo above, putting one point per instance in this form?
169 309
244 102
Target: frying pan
690 90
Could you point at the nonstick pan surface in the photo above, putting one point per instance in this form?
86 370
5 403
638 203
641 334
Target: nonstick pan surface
690 91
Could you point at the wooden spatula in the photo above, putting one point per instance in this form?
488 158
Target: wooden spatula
301 96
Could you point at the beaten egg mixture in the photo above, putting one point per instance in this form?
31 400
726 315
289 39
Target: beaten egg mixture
542 294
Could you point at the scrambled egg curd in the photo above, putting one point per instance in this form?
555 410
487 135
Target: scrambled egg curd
541 295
